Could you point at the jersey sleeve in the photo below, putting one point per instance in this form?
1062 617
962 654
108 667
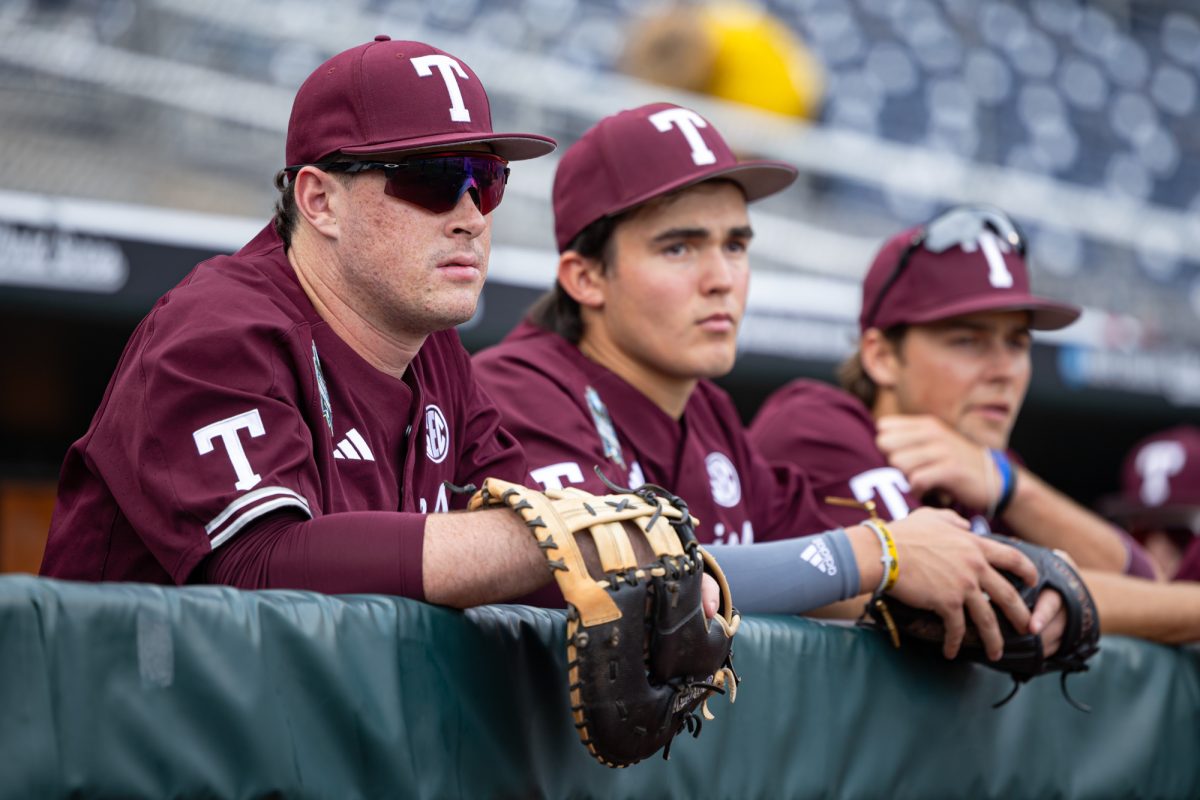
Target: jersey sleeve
202 438
830 436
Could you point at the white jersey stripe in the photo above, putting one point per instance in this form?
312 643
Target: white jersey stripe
254 497
347 449
354 436
256 512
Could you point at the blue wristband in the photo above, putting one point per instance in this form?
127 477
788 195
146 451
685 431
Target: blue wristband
1008 482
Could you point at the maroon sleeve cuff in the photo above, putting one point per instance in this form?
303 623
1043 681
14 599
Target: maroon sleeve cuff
412 554
361 552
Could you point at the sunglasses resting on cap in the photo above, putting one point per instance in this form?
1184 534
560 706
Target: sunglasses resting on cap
959 227
966 260
435 182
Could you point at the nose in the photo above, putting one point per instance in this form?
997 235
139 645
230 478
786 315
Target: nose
719 272
466 218
1004 363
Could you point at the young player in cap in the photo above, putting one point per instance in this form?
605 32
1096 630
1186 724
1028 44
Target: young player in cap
287 416
611 371
934 389
952 346
1160 499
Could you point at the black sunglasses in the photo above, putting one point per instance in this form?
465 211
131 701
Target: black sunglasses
435 182
958 227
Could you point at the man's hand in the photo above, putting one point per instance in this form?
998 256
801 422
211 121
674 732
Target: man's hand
934 456
946 569
1049 619
710 595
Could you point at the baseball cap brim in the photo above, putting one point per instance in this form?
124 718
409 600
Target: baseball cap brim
1045 315
757 179
509 146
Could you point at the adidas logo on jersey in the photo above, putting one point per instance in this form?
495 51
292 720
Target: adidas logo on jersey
354 447
817 554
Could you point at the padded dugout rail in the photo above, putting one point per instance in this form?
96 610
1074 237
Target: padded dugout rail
124 690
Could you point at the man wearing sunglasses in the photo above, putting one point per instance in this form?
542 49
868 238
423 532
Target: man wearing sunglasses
934 389
289 416
610 374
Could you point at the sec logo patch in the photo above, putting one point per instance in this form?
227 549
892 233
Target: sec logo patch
723 480
437 434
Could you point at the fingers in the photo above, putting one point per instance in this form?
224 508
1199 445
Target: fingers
924 478
904 429
1005 597
1049 620
956 629
985 621
926 516
1003 556
710 596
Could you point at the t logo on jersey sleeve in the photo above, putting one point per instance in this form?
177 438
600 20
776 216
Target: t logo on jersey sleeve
227 431
250 505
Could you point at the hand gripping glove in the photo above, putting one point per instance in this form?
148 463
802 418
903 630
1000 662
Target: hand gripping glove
641 656
1023 658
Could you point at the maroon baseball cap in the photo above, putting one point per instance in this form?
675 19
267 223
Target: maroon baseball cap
967 260
1160 478
386 96
638 154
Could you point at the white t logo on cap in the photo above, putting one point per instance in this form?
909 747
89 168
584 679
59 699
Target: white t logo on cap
993 248
448 67
689 122
1156 463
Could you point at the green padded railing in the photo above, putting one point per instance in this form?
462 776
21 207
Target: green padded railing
124 690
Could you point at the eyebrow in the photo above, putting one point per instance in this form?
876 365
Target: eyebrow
738 232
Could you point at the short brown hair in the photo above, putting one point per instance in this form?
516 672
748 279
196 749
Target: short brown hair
286 213
558 312
285 207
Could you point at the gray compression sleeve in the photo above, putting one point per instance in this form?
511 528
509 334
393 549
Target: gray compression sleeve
789 576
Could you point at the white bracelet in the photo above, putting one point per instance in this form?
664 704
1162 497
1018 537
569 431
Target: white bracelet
885 559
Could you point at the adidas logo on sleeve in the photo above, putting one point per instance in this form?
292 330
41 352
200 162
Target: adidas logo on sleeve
818 555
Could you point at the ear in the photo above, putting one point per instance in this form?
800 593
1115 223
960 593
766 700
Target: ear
880 358
319 198
583 279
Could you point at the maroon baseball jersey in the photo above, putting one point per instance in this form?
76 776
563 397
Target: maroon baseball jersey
234 402
571 414
831 434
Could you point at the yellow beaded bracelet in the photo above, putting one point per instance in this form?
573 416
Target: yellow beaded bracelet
889 559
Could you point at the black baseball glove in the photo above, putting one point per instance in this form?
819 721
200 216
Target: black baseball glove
1023 658
641 656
